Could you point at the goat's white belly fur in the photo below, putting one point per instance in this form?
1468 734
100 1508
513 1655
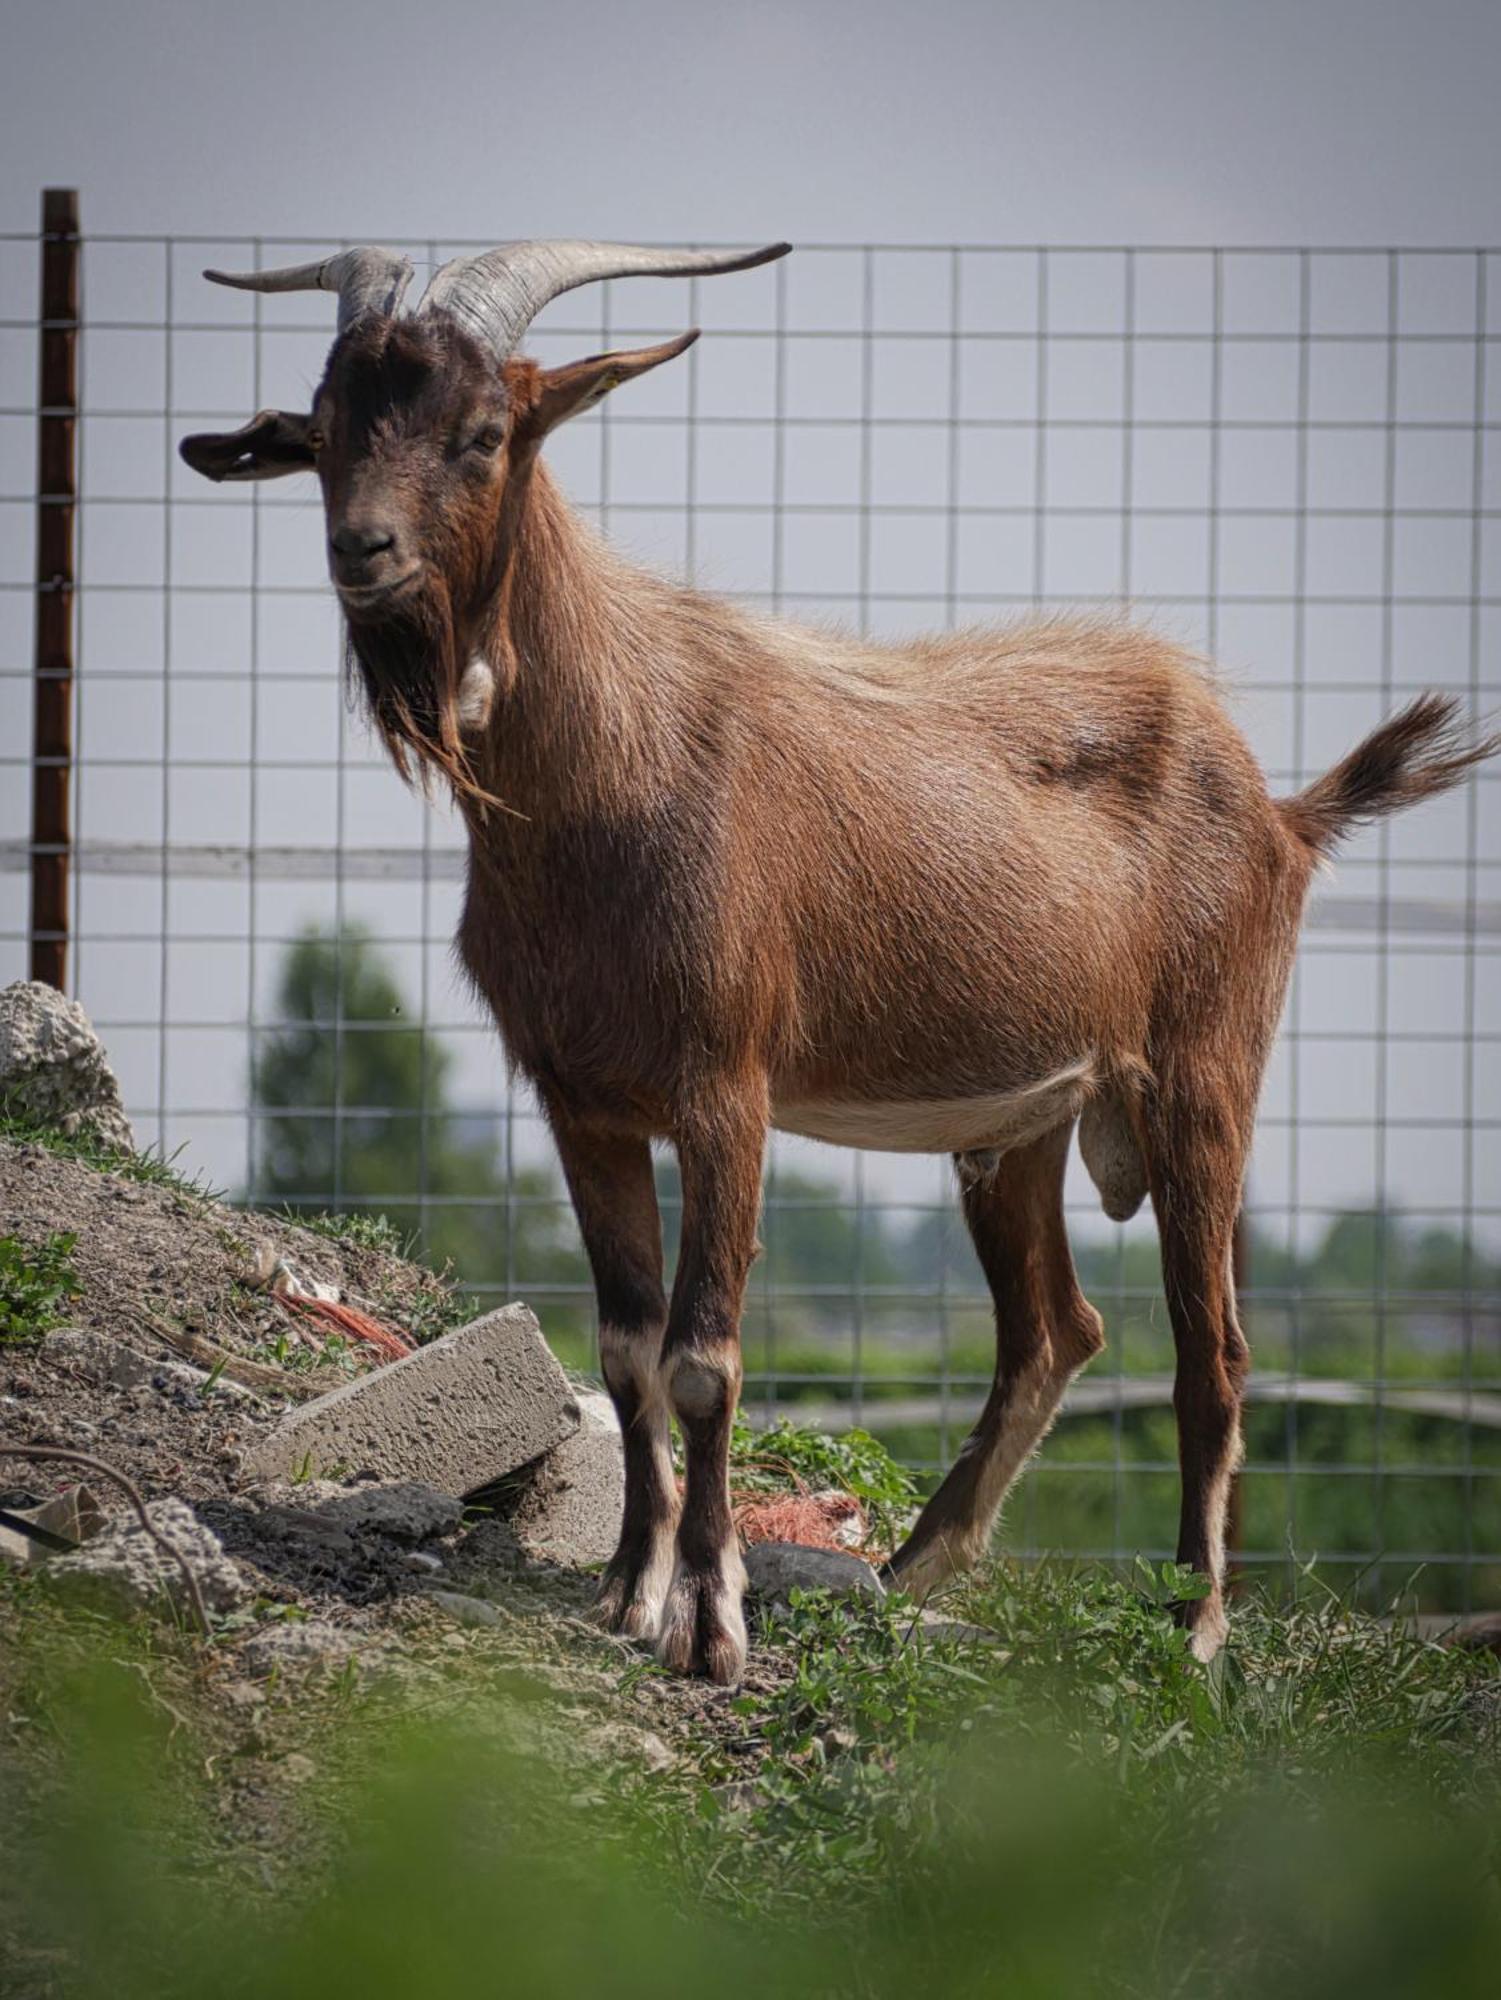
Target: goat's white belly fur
996 1122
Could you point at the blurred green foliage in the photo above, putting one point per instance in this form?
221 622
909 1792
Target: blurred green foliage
1078 1809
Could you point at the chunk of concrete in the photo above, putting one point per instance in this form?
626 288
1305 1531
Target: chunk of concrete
466 1410
775 1569
569 1510
125 1569
53 1068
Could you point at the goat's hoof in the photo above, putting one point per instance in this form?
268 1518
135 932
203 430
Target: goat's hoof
1207 1623
630 1600
703 1628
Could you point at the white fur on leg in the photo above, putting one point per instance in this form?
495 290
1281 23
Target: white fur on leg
633 1604
703 1622
1209 1622
1025 1421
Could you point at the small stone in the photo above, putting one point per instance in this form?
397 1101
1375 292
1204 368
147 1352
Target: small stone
654 1752
957 1631
297 1769
99 1357
775 1569
464 1610
242 1694
1480 1633
295 1642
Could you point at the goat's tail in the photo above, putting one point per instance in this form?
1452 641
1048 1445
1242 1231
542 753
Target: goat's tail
1422 750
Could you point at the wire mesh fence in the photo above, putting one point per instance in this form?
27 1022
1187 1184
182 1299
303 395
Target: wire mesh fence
1286 457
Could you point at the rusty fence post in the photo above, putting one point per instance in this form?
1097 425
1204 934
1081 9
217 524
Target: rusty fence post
56 502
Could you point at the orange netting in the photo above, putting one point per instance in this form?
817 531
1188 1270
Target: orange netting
816 1520
350 1320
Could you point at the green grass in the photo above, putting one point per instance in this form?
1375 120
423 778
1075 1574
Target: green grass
363 1229
151 1166
34 1284
782 1457
1081 1810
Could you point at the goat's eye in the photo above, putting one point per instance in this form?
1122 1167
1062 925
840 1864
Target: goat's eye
316 440
490 438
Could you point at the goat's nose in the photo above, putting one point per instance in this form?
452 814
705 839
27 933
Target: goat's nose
359 540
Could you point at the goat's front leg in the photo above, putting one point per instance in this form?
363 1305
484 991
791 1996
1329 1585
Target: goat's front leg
614 1198
719 1150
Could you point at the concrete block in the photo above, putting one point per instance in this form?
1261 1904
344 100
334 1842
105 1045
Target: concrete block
569 1510
466 1410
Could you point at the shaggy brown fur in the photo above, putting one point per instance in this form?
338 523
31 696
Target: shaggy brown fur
950 896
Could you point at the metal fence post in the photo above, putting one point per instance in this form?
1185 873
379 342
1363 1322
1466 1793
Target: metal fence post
56 502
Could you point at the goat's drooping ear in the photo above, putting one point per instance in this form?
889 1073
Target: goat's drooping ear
271 445
563 392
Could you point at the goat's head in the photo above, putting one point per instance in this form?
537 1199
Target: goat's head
421 431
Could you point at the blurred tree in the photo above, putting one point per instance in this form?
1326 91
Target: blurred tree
354 1102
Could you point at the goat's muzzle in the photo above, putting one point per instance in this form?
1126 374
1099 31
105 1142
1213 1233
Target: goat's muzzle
366 560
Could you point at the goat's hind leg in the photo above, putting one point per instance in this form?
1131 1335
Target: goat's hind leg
614 1197
1197 1138
1045 1332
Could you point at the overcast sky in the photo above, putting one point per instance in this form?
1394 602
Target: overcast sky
1051 120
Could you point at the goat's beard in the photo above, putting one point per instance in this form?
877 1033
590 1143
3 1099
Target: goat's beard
407 665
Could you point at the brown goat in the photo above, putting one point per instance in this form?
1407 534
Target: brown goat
727 874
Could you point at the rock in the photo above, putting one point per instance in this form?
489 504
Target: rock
653 1752
295 1642
462 1609
957 1631
1480 1633
53 1068
458 1414
99 1357
773 1569
567 1507
123 1567
114 1364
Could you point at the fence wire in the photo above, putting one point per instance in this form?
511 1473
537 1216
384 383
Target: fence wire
1285 457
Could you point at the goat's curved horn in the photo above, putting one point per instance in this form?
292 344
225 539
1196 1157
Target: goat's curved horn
495 297
367 280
